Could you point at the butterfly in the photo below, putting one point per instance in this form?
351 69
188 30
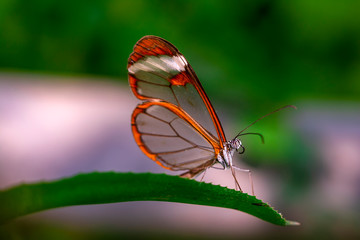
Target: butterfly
176 124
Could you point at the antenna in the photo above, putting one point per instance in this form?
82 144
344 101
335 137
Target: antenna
277 110
252 133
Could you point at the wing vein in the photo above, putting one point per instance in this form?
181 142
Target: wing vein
157 84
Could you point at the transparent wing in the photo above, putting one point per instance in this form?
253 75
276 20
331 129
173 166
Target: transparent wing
159 72
167 135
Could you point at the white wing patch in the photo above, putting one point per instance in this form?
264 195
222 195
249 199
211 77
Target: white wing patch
167 66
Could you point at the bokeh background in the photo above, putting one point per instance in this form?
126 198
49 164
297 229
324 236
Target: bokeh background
65 108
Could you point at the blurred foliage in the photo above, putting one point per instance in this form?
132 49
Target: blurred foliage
262 52
252 56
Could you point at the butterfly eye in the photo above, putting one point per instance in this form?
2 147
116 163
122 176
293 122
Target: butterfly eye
236 143
242 149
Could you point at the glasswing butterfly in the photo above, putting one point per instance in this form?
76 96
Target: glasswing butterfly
176 124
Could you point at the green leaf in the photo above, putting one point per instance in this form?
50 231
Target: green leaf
110 187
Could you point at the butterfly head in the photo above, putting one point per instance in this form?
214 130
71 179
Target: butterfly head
226 154
236 144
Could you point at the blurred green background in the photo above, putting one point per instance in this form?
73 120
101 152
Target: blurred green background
251 56
259 52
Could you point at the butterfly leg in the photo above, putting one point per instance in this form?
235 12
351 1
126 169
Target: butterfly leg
219 168
250 177
202 178
237 185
